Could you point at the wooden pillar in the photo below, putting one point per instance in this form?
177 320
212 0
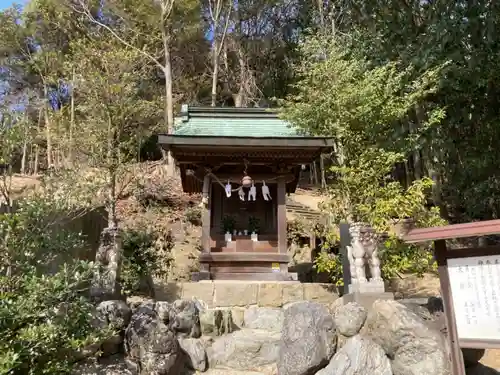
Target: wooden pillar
204 273
282 235
345 240
457 361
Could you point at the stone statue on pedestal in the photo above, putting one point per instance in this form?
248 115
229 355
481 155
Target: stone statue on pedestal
363 256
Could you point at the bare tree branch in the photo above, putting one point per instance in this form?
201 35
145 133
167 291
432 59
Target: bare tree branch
86 12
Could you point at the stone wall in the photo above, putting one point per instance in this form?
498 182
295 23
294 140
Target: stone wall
300 338
245 293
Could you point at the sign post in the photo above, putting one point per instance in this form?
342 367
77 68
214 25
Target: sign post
470 280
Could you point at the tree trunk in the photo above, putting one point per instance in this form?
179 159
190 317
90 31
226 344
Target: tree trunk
112 170
25 148
72 119
218 43
169 101
417 158
431 160
112 217
47 126
240 98
322 171
215 56
215 77
37 147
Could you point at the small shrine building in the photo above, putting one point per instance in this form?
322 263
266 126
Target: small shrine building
244 161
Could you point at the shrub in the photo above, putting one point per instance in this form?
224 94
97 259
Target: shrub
144 251
330 264
193 215
45 315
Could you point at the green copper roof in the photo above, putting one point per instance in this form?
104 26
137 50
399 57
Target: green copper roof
232 122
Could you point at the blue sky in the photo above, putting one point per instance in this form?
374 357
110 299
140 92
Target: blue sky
7 3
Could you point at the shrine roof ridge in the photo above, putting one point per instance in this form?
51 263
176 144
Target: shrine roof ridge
319 144
193 111
234 122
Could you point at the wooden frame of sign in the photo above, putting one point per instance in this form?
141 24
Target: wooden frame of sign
469 279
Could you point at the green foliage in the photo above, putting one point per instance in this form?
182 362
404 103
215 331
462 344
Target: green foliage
330 264
253 224
344 96
14 130
228 224
400 258
45 316
193 215
296 229
143 250
364 191
397 258
11 136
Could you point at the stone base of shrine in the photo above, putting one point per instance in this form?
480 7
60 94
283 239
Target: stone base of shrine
370 286
366 299
230 293
245 276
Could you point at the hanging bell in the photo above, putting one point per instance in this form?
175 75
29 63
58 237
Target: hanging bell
246 181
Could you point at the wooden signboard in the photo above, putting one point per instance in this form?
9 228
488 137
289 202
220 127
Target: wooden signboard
475 287
470 286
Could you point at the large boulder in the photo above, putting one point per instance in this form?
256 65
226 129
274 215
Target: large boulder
185 319
359 355
415 348
308 338
110 317
244 350
194 351
150 344
116 315
350 318
115 312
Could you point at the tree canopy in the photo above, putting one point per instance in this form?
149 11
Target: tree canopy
416 81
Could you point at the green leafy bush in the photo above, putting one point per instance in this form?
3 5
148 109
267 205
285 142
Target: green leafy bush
367 110
331 264
142 254
45 315
193 215
296 230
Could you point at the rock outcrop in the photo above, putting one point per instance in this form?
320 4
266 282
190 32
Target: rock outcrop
245 350
302 338
308 338
414 348
359 355
151 347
